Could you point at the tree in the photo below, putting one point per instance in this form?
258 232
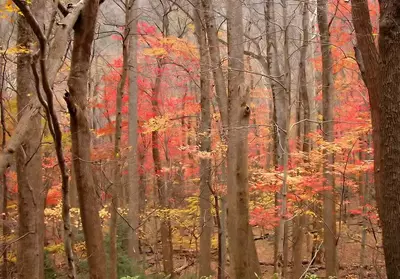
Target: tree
134 187
29 167
329 215
116 187
219 78
389 207
368 59
206 223
241 241
304 103
76 100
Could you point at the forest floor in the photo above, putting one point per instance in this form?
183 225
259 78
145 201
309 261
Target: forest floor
349 251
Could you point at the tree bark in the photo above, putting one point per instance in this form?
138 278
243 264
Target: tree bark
216 66
30 257
76 100
206 223
369 67
116 187
301 220
48 74
281 97
329 212
389 210
135 197
165 226
55 58
242 246
4 191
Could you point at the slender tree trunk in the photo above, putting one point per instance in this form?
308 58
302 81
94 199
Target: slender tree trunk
165 226
389 208
305 106
206 223
216 66
30 262
281 96
55 58
3 186
329 212
283 247
117 152
133 180
222 101
81 139
5 228
364 200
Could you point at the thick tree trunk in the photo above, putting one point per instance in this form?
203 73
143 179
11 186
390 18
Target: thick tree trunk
368 63
242 246
81 139
30 257
389 210
48 74
206 223
329 212
135 196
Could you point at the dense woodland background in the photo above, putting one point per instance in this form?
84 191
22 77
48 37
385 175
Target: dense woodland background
200 139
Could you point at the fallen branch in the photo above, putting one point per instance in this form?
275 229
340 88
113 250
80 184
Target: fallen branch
185 266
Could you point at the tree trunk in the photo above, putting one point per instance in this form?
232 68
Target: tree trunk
55 59
389 210
364 200
305 106
368 63
206 223
242 246
116 187
3 185
165 226
30 257
222 101
135 196
81 139
280 95
48 74
216 65
329 213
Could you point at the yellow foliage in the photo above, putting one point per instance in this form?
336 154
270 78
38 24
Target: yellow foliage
55 248
156 51
16 50
80 247
158 123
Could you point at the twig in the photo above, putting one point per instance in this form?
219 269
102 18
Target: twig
312 260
